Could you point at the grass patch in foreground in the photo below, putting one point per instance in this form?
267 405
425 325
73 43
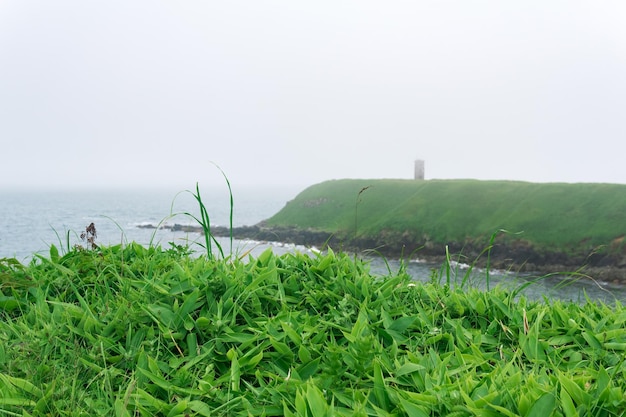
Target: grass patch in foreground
130 331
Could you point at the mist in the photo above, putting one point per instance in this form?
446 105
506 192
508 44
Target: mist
156 94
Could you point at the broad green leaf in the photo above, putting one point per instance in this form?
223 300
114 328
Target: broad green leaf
325 262
602 383
392 335
403 323
162 315
18 402
481 308
281 348
408 368
304 354
161 382
156 379
178 408
502 411
189 304
413 410
543 407
8 303
380 389
235 371
203 323
316 402
309 369
561 340
291 333
22 384
120 408
201 408
615 346
248 361
567 404
54 254
300 403
422 398
533 347
192 345
238 337
264 258
611 335
156 404
578 395
592 340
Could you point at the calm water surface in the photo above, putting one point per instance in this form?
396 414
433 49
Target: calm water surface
31 221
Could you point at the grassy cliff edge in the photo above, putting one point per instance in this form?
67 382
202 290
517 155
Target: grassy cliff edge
545 223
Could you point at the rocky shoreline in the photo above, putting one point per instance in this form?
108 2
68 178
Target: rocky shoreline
515 256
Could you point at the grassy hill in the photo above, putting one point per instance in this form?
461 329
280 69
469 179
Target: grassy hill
572 219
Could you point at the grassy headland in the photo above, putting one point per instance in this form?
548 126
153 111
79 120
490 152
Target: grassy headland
547 224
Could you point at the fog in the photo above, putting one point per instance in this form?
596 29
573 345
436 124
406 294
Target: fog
157 93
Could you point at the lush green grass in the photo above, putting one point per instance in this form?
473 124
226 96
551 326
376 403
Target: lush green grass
129 331
567 216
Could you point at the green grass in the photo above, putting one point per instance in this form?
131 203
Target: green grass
135 331
205 221
572 217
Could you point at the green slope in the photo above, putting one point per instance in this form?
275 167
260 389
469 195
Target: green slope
567 216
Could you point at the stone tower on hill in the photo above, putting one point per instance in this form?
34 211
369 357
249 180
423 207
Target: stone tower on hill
419 169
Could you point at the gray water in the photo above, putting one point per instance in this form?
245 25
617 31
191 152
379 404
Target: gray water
31 221
542 287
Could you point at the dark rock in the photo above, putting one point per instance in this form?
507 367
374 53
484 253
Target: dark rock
505 254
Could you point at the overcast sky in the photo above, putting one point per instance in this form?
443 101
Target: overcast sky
149 92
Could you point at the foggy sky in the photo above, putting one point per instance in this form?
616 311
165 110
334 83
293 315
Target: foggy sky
147 92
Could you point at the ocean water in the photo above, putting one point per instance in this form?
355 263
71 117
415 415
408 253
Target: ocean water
31 221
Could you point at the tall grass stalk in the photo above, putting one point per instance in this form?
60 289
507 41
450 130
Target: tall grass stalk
205 221
356 209
65 248
447 267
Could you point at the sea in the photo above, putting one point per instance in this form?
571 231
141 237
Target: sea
33 220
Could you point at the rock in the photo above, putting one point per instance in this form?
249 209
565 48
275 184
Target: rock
514 255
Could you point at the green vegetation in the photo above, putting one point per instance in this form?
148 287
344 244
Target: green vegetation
575 218
129 330
135 331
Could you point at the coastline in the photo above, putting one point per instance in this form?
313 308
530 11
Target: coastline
513 256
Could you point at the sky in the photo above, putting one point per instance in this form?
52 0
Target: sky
158 93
